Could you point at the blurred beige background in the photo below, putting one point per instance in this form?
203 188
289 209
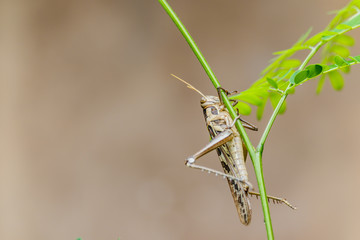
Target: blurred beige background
94 131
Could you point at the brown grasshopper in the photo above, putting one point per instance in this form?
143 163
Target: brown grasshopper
231 151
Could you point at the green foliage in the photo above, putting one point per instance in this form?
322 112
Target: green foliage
336 80
284 71
299 76
332 71
244 109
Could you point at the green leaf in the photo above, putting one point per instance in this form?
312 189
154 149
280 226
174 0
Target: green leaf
314 39
346 69
274 99
292 77
251 98
336 80
343 26
325 67
260 110
345 40
299 76
354 21
284 74
328 35
283 85
290 51
355 58
314 70
340 50
272 82
244 109
304 36
320 84
290 63
291 90
340 61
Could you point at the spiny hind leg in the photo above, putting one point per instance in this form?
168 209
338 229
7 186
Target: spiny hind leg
275 199
218 173
216 142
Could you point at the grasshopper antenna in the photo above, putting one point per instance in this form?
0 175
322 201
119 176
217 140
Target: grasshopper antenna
189 86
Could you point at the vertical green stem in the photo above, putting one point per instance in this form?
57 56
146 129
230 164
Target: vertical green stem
209 72
311 54
255 156
191 42
263 196
260 147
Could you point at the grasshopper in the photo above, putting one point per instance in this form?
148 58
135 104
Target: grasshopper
231 151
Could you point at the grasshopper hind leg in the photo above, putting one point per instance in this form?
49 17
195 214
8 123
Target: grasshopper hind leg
274 199
191 163
216 142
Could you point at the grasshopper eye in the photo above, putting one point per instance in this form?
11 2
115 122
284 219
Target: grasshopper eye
214 111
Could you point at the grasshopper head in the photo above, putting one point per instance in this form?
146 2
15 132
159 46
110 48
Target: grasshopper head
209 101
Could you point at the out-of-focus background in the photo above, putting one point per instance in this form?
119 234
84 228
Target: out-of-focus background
94 130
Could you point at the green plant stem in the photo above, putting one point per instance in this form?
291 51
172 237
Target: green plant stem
209 72
266 132
259 151
263 196
191 43
311 54
256 158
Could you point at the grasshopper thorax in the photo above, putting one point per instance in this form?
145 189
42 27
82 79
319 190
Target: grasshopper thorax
208 101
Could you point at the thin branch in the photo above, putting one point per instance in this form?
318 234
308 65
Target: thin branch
254 157
266 132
